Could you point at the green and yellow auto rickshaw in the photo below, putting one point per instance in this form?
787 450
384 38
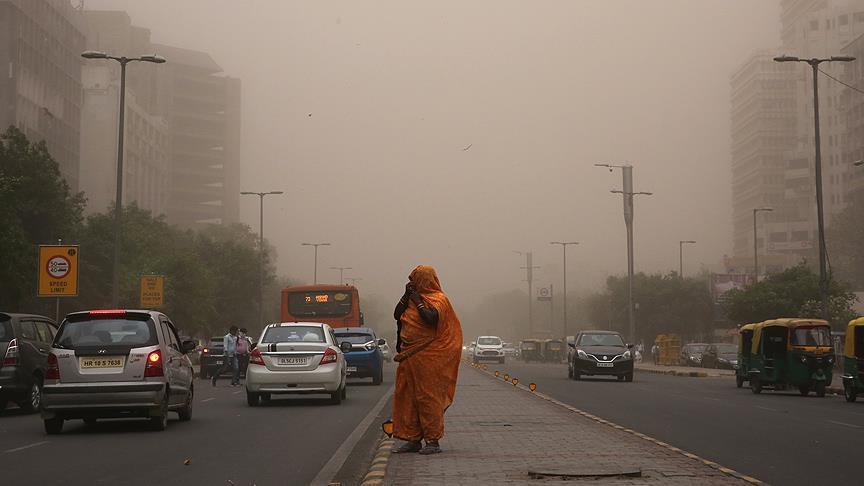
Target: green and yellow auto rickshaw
791 353
745 343
553 350
853 360
531 350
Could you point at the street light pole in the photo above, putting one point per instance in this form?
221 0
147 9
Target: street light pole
260 248
681 256
341 273
118 197
529 277
316 245
756 246
820 211
627 195
564 248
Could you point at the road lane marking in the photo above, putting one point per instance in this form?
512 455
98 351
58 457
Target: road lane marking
35 444
208 399
341 455
845 424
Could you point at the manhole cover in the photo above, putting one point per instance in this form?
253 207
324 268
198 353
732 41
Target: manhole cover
623 472
491 424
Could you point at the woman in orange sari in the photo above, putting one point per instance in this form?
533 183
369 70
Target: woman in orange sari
429 347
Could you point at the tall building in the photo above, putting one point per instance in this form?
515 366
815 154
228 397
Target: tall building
41 42
146 139
853 114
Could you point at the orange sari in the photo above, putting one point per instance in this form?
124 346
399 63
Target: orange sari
428 363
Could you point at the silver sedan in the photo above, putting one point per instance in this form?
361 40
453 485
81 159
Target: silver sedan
296 358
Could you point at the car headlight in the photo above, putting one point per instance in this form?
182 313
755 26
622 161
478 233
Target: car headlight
581 354
369 346
723 360
627 355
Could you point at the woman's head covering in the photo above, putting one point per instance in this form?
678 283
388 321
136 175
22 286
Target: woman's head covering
425 279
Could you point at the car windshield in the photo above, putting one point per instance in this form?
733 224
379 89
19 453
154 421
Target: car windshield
294 334
489 341
601 340
696 348
217 342
106 332
5 331
811 336
354 337
727 349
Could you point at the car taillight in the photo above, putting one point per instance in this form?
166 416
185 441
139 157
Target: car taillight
205 351
153 368
107 314
256 358
52 371
11 357
330 356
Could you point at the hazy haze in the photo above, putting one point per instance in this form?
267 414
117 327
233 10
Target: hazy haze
360 111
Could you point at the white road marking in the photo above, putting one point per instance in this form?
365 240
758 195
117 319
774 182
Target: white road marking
208 399
845 424
35 444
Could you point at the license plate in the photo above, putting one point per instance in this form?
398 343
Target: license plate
292 361
100 362
219 362
605 365
352 369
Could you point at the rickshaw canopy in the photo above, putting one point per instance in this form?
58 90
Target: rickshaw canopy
786 322
849 347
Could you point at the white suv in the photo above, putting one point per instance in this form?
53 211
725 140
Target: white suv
488 348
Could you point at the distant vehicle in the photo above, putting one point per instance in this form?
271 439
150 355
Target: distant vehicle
334 305
531 350
691 354
117 364
510 351
365 358
24 343
297 358
594 353
721 356
212 357
385 351
488 348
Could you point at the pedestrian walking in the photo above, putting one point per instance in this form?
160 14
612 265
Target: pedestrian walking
429 347
229 341
244 347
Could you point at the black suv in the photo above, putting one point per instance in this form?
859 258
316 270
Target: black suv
24 344
600 353
212 357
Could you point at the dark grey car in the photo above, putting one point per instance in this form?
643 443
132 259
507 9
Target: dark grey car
24 343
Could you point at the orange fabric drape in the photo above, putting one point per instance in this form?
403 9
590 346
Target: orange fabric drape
428 363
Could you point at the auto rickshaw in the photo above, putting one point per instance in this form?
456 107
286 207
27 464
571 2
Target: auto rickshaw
853 360
791 353
531 350
745 343
553 350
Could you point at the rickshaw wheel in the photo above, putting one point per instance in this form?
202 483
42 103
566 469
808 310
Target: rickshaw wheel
804 390
739 381
850 392
820 389
755 385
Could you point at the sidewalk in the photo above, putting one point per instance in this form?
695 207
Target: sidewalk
498 433
684 370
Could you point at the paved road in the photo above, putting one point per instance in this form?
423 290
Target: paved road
780 438
286 442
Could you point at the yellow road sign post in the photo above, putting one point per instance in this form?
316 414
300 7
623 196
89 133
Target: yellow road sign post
58 271
152 291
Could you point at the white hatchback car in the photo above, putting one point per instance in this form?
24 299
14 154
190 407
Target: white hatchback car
297 358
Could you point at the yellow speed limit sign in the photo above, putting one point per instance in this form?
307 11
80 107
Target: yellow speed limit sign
58 271
152 291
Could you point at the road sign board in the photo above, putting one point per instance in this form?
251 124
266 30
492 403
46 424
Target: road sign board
152 291
544 292
544 299
58 271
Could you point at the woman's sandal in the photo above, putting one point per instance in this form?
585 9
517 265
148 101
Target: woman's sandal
407 448
431 448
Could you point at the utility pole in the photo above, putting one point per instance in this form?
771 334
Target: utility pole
820 209
681 256
564 248
627 195
260 249
529 277
341 273
315 271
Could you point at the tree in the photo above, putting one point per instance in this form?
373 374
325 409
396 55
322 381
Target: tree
36 207
791 293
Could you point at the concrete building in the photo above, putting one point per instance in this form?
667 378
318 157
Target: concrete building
853 114
40 90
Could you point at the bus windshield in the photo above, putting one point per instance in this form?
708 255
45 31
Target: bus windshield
322 303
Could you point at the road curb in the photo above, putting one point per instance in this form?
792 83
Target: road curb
725 470
378 469
690 374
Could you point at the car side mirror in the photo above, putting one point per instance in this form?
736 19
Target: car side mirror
382 342
189 346
629 346
345 346
572 345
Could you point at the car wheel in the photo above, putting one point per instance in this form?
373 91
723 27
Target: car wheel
265 398
34 397
739 381
755 385
804 390
820 389
53 426
185 413
160 422
253 399
336 397
378 378
850 392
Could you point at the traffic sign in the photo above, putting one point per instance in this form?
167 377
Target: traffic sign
58 271
545 295
152 291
